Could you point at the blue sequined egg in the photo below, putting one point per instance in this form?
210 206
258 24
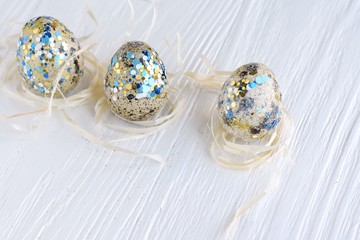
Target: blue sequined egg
136 82
249 103
46 47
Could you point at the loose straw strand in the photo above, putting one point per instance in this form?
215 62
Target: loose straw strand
213 80
153 20
131 20
96 140
91 14
253 201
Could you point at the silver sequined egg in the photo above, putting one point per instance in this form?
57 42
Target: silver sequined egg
136 82
249 103
45 48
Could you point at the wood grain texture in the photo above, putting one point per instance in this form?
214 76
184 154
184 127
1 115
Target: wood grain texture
56 185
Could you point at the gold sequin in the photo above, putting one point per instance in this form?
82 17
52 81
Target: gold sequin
128 86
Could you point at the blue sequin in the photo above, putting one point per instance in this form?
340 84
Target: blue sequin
259 80
133 71
230 115
136 62
46 75
275 123
151 81
116 83
45 40
157 90
265 78
114 60
129 55
146 88
252 85
48 34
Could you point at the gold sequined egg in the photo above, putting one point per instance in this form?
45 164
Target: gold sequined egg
249 103
136 82
46 47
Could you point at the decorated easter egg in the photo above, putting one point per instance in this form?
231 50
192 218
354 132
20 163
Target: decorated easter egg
136 82
249 103
46 57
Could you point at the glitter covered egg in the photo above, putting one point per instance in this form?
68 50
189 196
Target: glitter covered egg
136 82
46 47
249 104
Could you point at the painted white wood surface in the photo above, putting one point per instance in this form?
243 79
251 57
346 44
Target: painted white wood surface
56 185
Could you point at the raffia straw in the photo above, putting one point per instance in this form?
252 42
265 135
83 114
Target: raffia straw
143 129
91 14
276 145
176 52
213 80
58 77
95 139
248 205
153 20
140 129
15 89
223 142
24 95
260 153
131 20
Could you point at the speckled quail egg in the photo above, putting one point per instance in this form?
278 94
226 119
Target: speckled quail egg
136 84
249 103
46 47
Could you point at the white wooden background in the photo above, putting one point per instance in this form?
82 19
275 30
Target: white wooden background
56 185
